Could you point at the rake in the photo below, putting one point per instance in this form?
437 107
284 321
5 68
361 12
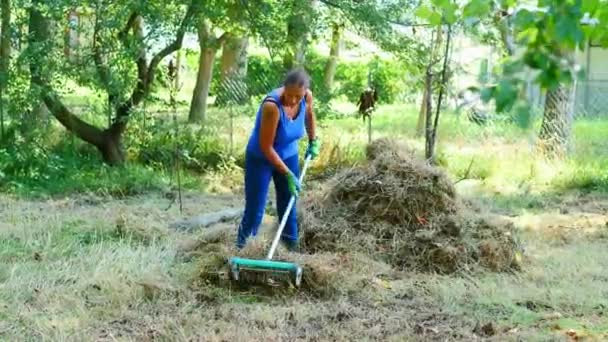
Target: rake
268 270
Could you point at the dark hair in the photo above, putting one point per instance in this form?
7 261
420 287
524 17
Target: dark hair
297 77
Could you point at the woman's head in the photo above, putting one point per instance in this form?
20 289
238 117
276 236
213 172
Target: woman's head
295 86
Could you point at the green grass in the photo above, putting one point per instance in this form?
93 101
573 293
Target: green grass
501 155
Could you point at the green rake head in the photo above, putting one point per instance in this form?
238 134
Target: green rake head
257 271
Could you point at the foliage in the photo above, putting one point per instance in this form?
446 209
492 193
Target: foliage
40 167
198 149
547 33
387 74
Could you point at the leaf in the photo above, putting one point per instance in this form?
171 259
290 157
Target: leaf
487 93
505 95
536 60
513 66
450 14
424 12
524 19
590 5
567 30
442 3
435 19
523 115
528 36
476 8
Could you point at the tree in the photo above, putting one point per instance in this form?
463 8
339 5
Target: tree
40 36
337 28
300 25
228 17
5 56
234 57
434 57
232 85
133 49
71 35
209 44
547 35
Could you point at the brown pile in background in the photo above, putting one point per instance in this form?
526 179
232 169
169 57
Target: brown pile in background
400 210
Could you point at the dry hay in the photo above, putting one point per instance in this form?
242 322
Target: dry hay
403 211
324 274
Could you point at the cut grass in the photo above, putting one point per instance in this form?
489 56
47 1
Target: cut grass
67 273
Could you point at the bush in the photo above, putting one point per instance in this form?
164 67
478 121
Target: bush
199 150
351 79
41 167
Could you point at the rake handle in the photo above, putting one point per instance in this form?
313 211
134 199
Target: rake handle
292 201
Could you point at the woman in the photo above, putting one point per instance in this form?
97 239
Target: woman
272 152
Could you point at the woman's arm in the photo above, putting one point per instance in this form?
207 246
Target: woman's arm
268 129
310 117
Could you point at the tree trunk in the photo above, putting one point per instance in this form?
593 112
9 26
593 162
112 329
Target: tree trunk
506 34
71 36
423 108
5 41
295 55
334 55
107 141
198 106
178 67
234 70
40 41
557 120
442 90
428 110
5 56
111 149
298 31
434 48
234 57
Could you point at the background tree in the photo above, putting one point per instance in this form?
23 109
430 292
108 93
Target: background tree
337 30
131 38
209 43
220 23
5 57
548 35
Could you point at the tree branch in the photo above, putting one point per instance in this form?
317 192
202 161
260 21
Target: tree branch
390 21
71 122
222 39
102 68
122 35
145 72
173 46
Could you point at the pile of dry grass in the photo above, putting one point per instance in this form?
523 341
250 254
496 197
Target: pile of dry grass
403 211
325 274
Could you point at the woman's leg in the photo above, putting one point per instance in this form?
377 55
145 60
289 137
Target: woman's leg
257 179
290 233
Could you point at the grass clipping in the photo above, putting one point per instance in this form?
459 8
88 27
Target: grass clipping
402 211
325 274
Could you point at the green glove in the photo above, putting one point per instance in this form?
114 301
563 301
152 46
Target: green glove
313 148
293 184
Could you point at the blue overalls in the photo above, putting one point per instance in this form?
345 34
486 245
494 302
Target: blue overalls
258 172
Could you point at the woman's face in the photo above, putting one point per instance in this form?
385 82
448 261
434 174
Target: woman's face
292 94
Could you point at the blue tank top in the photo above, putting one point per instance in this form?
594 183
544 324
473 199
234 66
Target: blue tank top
289 131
